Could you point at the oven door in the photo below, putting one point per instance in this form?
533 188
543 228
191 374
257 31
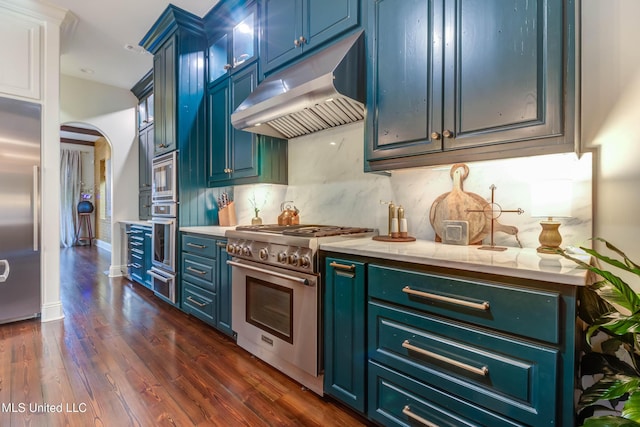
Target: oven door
163 243
164 284
164 186
275 314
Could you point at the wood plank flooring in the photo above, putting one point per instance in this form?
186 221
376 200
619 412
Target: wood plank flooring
121 357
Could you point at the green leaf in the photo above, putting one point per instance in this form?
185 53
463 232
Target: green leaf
609 387
631 408
610 421
592 306
627 261
598 363
620 324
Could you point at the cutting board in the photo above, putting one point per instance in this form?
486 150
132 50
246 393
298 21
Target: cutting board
457 204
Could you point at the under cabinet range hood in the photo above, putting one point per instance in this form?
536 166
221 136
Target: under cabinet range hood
323 91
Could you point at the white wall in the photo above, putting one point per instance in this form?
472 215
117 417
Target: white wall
611 116
113 112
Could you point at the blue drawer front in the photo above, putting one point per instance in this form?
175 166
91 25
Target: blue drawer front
398 400
199 271
199 302
513 378
526 312
202 246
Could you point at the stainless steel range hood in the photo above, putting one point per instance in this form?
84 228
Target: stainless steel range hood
323 91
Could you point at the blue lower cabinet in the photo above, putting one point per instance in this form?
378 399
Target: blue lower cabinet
397 399
199 302
405 344
140 254
344 334
206 280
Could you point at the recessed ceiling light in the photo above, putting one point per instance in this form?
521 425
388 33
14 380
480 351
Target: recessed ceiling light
87 70
135 49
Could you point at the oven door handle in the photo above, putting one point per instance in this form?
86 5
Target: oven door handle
300 280
162 278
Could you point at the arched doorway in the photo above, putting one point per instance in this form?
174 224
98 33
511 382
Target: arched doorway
85 173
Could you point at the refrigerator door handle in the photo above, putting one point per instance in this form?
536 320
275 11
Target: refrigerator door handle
36 177
4 276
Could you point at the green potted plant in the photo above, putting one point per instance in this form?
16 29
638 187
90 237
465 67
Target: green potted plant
611 310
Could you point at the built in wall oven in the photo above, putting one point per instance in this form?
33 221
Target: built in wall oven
164 210
164 183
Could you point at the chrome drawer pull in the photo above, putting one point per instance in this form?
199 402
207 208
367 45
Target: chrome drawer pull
407 411
193 245
342 266
480 306
198 303
195 270
221 244
484 371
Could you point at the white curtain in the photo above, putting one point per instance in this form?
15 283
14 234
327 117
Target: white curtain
70 177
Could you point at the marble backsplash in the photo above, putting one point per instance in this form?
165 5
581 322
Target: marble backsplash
327 184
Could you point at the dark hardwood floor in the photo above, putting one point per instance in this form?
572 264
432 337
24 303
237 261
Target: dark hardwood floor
121 357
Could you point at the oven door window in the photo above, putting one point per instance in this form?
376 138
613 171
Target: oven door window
163 245
270 308
163 178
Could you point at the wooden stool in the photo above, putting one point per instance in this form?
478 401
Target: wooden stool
84 218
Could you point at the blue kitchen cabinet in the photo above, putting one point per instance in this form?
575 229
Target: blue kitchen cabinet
293 27
165 81
344 334
468 80
206 280
236 156
233 33
143 90
413 344
178 44
139 241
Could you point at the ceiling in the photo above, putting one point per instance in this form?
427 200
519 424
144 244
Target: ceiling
99 39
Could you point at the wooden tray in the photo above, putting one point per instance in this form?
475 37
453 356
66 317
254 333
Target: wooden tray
394 239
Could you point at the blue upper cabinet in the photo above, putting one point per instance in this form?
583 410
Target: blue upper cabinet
293 27
177 42
468 80
233 39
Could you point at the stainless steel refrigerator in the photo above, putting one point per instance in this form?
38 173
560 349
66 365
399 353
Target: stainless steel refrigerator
20 136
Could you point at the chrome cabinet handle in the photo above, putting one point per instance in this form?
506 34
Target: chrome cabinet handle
227 66
479 306
407 411
351 267
228 170
195 270
194 245
221 245
296 43
484 371
447 133
435 136
198 303
4 276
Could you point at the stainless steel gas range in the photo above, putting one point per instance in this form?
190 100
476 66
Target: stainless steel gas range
276 293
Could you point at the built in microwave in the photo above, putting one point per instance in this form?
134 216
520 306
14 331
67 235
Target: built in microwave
164 183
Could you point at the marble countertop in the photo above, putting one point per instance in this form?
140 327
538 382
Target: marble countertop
136 221
209 230
514 262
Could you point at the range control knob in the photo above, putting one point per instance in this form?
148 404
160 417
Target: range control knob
238 250
282 257
230 248
263 254
305 262
246 251
293 259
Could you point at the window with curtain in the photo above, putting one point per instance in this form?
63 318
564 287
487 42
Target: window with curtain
70 181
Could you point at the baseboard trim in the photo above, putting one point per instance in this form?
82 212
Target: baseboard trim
51 312
115 271
103 245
